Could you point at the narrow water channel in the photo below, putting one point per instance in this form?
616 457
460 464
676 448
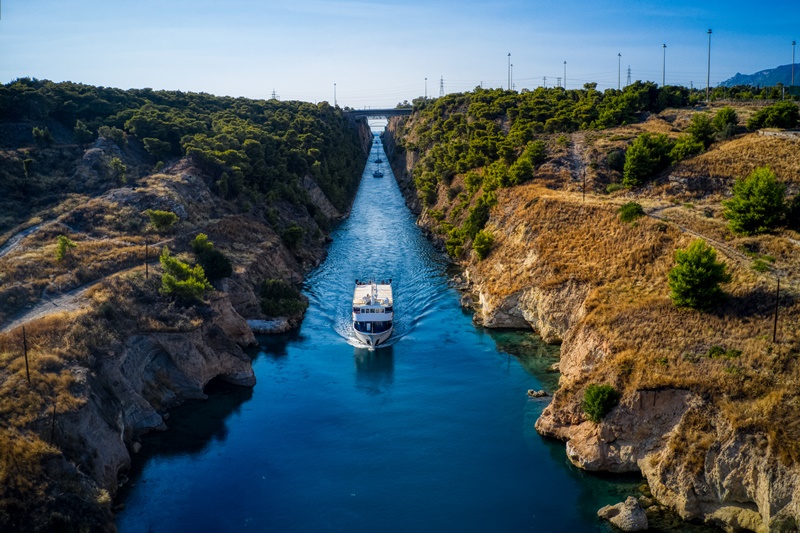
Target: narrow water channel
433 432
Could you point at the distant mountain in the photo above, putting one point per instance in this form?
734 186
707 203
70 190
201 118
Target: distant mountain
766 78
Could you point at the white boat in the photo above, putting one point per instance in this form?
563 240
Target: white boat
373 312
377 174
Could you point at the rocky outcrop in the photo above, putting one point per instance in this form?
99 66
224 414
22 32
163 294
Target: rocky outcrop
627 516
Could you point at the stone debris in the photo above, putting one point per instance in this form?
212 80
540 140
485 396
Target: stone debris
537 393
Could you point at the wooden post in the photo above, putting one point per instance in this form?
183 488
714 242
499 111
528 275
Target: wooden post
25 351
53 424
584 185
775 323
146 257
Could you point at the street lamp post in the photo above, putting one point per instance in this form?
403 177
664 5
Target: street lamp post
708 72
334 95
619 69
509 71
664 66
426 88
793 43
565 75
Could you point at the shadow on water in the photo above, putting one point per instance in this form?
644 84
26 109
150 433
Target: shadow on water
193 427
374 369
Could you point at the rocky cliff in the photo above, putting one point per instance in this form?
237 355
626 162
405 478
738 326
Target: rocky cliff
700 431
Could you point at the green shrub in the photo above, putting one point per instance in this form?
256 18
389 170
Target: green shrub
725 119
292 235
695 278
161 220
599 400
614 187
483 244
685 147
645 156
779 115
215 263
63 247
758 203
702 129
630 212
716 351
615 159
759 265
181 281
279 298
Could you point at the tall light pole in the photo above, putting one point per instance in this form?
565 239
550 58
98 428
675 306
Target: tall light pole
511 87
334 95
664 65
619 69
565 75
509 70
708 72
793 43
426 88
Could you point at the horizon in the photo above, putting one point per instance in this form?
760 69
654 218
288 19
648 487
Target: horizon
311 50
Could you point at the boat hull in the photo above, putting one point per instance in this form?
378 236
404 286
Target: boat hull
373 340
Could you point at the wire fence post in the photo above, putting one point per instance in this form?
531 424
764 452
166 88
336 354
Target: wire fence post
25 351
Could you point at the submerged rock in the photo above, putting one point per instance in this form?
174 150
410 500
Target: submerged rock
270 327
628 515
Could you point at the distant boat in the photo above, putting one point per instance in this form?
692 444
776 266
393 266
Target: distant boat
377 174
378 155
373 312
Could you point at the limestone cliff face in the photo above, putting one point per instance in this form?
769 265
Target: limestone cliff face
693 459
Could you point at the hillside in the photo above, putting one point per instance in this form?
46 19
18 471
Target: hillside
707 407
107 284
766 78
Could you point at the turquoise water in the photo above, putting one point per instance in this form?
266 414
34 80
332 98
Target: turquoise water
434 432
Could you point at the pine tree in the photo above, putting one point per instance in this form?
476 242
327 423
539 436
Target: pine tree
694 281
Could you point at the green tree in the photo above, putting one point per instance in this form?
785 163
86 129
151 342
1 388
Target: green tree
161 220
118 169
685 147
82 134
157 148
215 263
758 203
279 298
702 129
483 244
725 118
598 401
292 235
63 247
695 278
42 136
646 155
181 281
779 115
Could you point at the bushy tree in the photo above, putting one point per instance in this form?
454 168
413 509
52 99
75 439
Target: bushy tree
279 298
161 220
630 212
779 115
292 235
758 202
180 280
83 135
694 280
63 246
702 129
119 169
598 401
483 244
685 147
42 136
646 155
725 118
215 263
158 149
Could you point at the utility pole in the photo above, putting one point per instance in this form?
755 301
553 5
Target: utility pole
619 70
775 323
565 75
334 94
558 81
664 65
629 76
509 70
708 72
544 81
441 86
426 87
793 43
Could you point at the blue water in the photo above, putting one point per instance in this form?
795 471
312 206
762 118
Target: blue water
434 432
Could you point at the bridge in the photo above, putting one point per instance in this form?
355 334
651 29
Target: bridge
356 114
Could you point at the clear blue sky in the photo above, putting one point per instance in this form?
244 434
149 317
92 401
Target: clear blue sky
379 53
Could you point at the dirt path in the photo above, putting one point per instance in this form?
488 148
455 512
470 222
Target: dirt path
14 241
69 301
